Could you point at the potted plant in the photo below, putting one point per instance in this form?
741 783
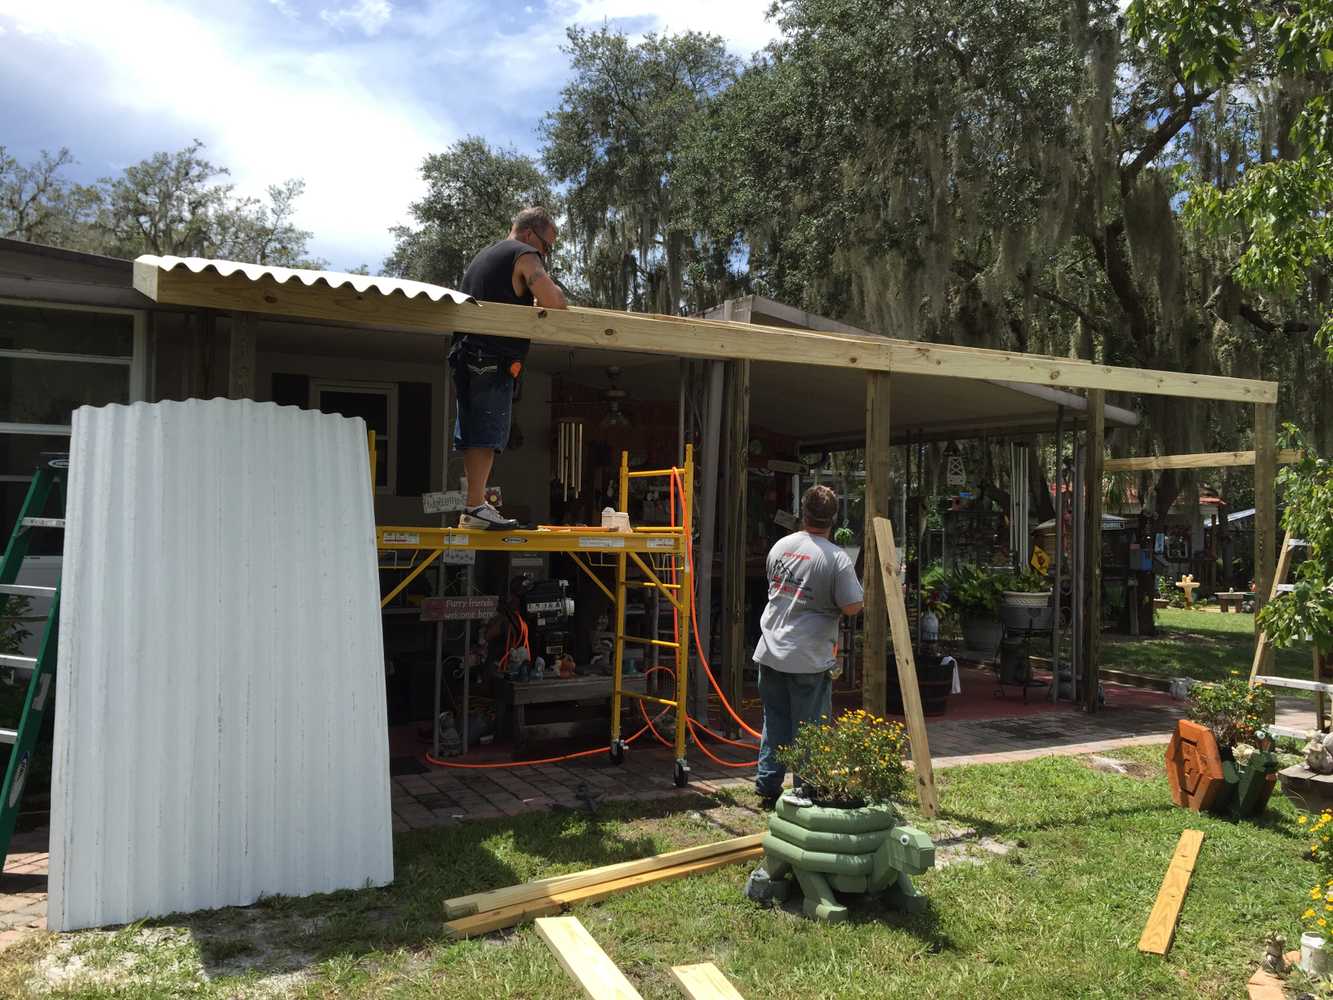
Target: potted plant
1318 914
1221 758
974 595
1026 603
839 831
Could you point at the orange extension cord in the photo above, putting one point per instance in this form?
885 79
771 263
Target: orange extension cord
693 724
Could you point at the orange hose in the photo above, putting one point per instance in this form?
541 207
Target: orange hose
528 763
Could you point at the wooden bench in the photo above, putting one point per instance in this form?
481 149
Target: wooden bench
516 696
1231 600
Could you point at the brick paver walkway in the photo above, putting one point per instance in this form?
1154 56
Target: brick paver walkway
444 796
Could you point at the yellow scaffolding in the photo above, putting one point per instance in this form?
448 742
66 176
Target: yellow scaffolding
660 554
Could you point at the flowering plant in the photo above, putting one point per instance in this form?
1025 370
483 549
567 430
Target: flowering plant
1320 831
860 758
1234 711
1319 909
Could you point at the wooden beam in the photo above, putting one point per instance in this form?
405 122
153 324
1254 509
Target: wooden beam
1093 458
560 899
584 959
704 982
1161 927
494 899
670 335
735 508
874 645
1203 460
241 357
1263 647
906 664
1265 498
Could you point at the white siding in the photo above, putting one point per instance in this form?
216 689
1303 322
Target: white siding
220 712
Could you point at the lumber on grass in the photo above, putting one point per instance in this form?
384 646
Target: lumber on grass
494 899
887 554
560 899
584 960
704 982
1161 926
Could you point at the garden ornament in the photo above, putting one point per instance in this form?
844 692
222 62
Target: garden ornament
828 850
1275 954
1319 753
1189 585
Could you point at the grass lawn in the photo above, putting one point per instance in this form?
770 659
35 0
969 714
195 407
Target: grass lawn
1198 644
1058 916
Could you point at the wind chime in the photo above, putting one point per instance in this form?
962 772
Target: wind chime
954 472
569 456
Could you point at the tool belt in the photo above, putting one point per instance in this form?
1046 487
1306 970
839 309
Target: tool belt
468 361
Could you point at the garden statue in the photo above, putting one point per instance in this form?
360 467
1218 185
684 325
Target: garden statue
862 850
840 833
1275 960
1189 585
1319 753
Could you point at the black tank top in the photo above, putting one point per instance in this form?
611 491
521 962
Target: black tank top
490 278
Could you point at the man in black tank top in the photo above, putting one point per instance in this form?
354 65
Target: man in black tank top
485 368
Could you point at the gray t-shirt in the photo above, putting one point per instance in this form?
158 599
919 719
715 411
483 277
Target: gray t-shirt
809 581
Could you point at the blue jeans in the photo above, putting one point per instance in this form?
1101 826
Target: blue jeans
789 700
485 404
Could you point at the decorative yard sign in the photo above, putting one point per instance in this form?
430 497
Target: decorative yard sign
457 609
442 503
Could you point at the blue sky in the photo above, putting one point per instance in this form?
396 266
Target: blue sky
348 94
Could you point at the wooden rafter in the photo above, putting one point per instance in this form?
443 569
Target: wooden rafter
677 336
1202 460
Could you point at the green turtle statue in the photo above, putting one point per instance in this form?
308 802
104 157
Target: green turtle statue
829 850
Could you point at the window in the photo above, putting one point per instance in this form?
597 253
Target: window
376 404
52 361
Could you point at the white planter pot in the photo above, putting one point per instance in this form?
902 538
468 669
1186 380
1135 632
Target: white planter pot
1314 959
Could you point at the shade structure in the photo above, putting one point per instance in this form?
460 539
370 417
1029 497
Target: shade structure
220 714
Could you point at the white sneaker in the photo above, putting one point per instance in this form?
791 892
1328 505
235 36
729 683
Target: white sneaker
486 518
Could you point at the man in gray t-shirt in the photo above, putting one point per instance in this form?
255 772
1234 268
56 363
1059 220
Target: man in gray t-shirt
811 584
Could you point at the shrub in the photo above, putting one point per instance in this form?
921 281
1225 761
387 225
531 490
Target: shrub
1233 710
860 758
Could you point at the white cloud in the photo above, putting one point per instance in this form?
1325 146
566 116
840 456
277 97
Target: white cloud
369 15
267 112
742 23
285 9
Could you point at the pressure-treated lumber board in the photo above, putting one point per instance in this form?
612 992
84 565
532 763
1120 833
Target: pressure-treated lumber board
1161 928
887 553
559 899
1265 496
704 982
671 335
1263 647
1094 455
584 960
1201 460
494 899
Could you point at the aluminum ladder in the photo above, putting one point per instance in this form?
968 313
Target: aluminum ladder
47 484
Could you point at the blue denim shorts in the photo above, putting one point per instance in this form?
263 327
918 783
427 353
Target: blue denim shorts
485 406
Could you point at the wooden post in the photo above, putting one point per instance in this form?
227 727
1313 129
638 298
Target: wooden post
1265 499
241 357
734 653
905 661
1093 460
874 651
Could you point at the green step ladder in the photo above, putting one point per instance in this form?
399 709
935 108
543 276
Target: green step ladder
48 484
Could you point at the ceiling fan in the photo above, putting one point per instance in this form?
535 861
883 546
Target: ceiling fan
612 397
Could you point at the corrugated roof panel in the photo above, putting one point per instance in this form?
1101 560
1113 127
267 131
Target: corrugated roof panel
220 713
333 279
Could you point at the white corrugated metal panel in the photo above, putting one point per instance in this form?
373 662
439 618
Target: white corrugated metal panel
220 713
334 279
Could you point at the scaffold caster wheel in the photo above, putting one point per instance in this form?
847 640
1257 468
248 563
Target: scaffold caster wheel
682 774
618 752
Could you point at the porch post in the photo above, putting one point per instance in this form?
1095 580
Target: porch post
734 654
241 357
1093 459
1265 500
874 650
